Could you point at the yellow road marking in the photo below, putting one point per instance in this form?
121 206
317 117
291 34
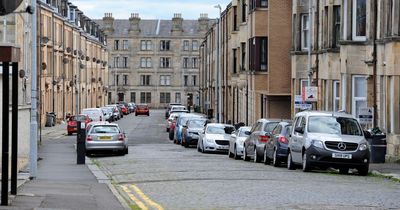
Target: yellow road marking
146 199
137 201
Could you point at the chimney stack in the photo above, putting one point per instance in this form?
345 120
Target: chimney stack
108 23
177 24
203 22
134 24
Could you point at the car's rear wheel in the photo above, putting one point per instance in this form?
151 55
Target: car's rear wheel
290 164
167 129
266 160
306 163
69 133
363 171
230 154
257 159
343 170
245 158
202 148
171 135
275 160
126 150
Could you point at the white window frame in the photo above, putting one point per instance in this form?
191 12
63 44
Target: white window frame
165 80
354 25
149 45
355 99
125 44
195 45
305 32
178 98
143 62
148 62
185 62
195 63
336 95
186 45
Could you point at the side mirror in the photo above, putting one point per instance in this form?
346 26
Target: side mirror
233 135
367 134
247 133
299 130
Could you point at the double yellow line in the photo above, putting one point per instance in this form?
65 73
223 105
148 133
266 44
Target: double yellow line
132 189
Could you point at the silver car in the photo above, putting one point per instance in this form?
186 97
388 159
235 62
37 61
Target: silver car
215 138
103 136
236 142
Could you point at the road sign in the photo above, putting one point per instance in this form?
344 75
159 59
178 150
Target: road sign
8 6
300 104
310 94
366 115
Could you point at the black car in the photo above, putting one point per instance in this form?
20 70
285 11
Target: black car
276 149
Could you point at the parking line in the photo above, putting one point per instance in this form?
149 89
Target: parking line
146 199
136 200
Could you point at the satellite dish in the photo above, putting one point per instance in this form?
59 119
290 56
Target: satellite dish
8 6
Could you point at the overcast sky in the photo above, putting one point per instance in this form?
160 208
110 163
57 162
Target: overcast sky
150 9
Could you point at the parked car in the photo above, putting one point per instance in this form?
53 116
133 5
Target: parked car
168 108
95 114
170 120
124 109
236 142
142 109
116 111
215 138
177 108
180 122
191 131
108 111
328 139
254 145
104 136
131 107
276 147
72 123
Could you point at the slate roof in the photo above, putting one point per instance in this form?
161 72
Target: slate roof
149 27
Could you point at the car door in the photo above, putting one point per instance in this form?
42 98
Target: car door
232 140
255 132
273 138
297 139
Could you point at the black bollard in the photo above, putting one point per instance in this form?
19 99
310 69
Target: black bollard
80 143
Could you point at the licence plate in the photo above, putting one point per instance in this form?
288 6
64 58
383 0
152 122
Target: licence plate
105 138
223 147
341 156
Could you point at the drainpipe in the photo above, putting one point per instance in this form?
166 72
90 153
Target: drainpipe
52 63
375 122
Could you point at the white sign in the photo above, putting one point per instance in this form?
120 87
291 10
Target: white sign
300 104
365 115
309 94
83 126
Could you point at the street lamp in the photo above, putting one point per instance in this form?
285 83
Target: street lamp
218 68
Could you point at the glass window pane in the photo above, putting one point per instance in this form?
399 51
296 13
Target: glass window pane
360 87
361 17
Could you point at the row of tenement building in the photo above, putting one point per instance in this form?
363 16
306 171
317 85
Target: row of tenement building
262 55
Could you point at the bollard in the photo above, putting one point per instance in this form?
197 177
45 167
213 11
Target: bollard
80 143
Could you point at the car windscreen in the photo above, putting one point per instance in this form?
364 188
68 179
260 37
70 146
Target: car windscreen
270 126
104 129
80 118
220 129
196 123
334 125
242 133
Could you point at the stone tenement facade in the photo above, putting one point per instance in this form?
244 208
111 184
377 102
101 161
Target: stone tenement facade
154 61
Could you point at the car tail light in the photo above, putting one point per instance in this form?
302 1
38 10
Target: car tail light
263 138
283 140
121 137
89 138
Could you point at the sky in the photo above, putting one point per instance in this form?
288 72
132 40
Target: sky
150 9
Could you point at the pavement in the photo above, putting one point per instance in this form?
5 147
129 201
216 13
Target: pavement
60 182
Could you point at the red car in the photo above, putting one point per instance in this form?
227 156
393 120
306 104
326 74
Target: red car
72 122
142 109
124 109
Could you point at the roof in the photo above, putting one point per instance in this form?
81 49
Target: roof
324 113
149 28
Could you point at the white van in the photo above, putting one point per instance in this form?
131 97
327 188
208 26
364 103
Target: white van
95 114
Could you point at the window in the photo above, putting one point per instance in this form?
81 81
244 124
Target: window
117 79
145 45
336 95
185 80
125 45
145 97
125 79
264 54
243 58
336 26
165 97
165 80
116 44
243 11
194 62
133 97
165 62
258 3
194 80
186 45
165 45
195 45
145 62
125 62
359 93
116 62
235 25
305 31
359 20
234 61
185 62
145 80
258 56
178 98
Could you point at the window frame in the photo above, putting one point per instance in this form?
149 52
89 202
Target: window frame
336 95
165 80
125 44
305 32
355 99
354 22
186 45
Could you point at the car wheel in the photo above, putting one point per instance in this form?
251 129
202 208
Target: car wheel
235 154
306 163
202 148
136 114
69 134
245 158
167 129
266 160
230 154
275 160
186 144
171 135
256 157
126 150
363 171
198 147
290 164
343 170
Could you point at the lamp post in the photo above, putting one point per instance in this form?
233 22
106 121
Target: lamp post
218 69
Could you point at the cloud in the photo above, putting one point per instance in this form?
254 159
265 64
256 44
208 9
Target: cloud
156 9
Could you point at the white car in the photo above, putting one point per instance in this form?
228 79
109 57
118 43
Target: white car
95 114
215 138
236 142
170 119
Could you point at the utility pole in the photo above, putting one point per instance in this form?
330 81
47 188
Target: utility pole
218 83
309 67
34 125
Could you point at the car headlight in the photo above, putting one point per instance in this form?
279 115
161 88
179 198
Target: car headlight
210 140
363 146
317 143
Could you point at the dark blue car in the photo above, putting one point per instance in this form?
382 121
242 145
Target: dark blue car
276 149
